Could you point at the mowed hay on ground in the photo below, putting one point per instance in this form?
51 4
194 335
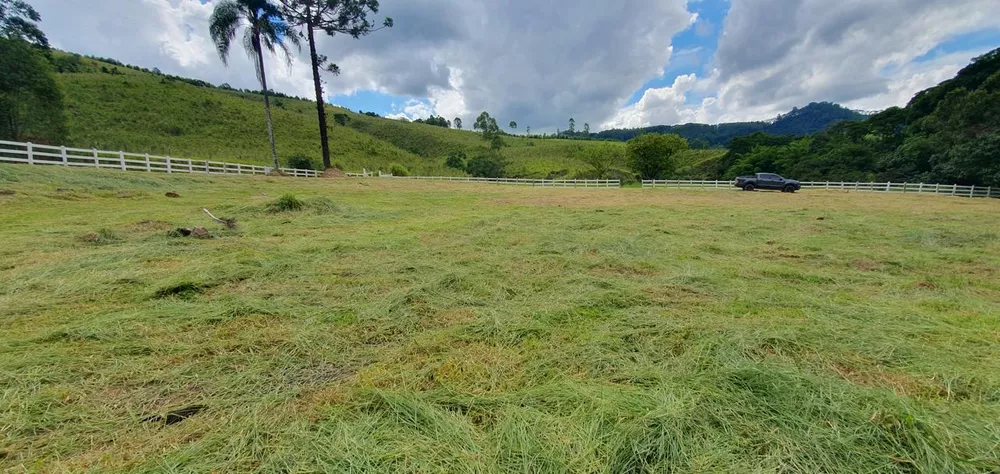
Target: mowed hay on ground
396 326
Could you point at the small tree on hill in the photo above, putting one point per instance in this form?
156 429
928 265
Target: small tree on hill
457 122
603 159
512 125
491 131
456 160
487 166
572 127
651 155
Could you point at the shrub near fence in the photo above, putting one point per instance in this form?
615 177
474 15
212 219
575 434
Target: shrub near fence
32 154
902 188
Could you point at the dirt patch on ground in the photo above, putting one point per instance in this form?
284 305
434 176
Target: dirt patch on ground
867 265
899 383
152 225
452 317
334 173
670 295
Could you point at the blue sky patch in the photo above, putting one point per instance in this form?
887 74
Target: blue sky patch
694 47
977 40
368 101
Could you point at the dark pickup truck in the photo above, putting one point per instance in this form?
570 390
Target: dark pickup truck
767 181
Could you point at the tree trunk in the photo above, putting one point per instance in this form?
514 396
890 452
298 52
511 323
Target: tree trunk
320 103
267 101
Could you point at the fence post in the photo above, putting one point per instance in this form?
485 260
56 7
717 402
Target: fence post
169 166
190 167
972 191
920 189
888 186
937 188
97 159
827 185
954 189
148 167
904 188
62 151
121 159
857 185
31 154
989 191
239 168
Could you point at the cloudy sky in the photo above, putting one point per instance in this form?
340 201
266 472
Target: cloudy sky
622 63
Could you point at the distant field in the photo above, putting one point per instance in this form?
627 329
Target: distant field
399 326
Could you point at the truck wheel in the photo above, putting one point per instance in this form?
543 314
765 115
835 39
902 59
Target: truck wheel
789 189
749 187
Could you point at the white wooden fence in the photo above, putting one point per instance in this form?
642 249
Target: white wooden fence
902 188
549 183
32 154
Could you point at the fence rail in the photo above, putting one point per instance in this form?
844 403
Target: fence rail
33 154
902 188
550 183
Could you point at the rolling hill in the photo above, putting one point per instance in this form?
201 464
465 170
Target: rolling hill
141 111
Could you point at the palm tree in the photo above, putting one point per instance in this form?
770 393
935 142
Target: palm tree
264 30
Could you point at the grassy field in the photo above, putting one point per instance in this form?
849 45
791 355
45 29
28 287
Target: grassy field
396 326
141 112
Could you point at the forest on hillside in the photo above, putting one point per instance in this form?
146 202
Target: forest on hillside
949 133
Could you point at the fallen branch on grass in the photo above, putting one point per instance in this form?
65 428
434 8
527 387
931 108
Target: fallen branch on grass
229 223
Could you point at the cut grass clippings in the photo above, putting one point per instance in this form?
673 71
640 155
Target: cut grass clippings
403 326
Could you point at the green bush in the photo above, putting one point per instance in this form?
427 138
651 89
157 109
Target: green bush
399 170
286 203
651 155
456 159
557 174
301 162
486 166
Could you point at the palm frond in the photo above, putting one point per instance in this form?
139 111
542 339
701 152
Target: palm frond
226 19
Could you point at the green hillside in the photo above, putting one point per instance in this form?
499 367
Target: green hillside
144 112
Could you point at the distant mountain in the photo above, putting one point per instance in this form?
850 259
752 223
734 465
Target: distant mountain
811 119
